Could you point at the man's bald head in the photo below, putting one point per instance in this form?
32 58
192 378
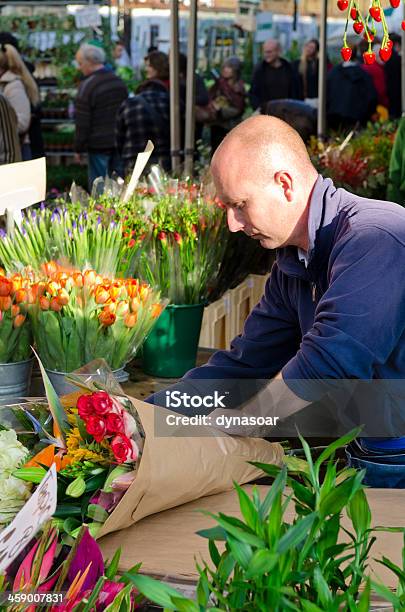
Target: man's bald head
262 146
264 164
271 51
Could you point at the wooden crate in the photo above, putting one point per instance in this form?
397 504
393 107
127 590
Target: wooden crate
257 284
216 324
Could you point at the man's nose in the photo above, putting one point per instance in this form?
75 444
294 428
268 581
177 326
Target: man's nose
234 224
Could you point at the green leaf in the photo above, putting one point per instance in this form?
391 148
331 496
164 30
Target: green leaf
359 512
363 604
215 533
214 553
294 536
332 448
153 590
55 406
277 487
322 588
247 508
308 606
30 474
393 567
242 552
70 524
94 595
237 532
334 502
386 594
112 568
185 605
261 563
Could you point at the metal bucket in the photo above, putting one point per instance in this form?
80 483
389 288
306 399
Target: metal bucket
15 378
63 387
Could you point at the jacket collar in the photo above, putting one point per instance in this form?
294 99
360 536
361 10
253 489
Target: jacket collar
325 205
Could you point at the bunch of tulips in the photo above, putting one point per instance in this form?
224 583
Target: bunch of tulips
15 331
80 316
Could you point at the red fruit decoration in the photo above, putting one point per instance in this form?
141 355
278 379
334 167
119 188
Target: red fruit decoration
395 3
369 57
375 13
385 53
342 5
403 25
346 53
370 36
353 13
358 27
389 43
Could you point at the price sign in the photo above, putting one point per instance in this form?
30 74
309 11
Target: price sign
88 17
38 509
21 185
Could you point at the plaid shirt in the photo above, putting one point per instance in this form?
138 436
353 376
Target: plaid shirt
146 116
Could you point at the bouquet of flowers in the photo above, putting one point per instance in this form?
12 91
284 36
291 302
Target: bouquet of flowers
96 445
15 330
66 581
70 235
79 316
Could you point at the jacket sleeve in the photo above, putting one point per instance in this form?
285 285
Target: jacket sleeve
255 90
82 120
396 173
270 338
356 326
17 96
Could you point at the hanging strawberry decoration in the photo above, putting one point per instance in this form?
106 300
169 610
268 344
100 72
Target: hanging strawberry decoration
368 23
346 53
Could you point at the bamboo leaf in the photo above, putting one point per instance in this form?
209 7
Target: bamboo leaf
154 590
294 536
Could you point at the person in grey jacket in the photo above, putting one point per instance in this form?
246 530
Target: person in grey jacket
10 151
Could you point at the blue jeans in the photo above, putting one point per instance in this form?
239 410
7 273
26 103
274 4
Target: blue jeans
384 470
103 164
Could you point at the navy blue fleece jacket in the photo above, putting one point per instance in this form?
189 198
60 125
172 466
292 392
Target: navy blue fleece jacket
342 316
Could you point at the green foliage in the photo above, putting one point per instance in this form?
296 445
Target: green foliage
271 563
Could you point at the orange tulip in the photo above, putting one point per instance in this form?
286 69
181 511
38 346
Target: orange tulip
63 297
5 302
15 310
89 278
52 288
55 306
21 295
122 308
19 320
78 279
16 280
156 310
130 319
111 307
106 318
132 288
6 286
50 268
144 292
135 303
115 290
101 295
44 303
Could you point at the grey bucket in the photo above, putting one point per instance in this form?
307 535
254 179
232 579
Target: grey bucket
15 378
63 387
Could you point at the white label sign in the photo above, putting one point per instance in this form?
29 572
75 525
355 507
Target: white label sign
264 25
88 17
38 509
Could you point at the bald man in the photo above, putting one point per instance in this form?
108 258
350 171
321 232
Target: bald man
273 78
333 310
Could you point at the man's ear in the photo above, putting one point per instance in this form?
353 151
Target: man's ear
285 181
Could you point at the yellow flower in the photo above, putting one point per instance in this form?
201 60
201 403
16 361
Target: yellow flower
78 451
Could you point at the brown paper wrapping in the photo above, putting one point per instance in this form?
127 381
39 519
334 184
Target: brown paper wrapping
177 470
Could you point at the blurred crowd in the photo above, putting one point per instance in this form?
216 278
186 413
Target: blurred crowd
113 126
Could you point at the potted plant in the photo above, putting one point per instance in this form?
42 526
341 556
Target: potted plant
15 338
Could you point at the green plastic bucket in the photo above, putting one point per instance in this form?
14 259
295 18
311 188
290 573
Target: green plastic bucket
170 350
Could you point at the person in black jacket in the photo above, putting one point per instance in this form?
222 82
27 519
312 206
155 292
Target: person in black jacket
393 77
273 77
100 95
351 98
